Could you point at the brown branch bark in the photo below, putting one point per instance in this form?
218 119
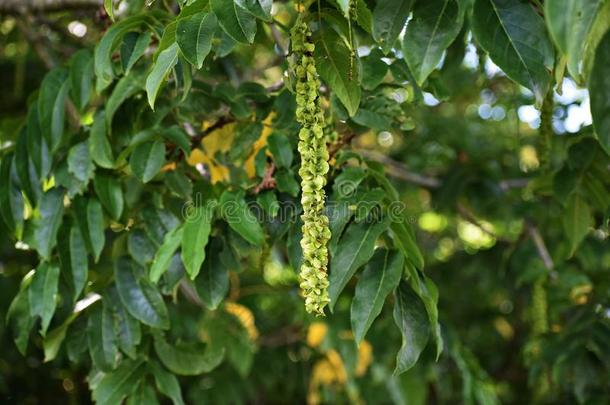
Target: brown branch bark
41 6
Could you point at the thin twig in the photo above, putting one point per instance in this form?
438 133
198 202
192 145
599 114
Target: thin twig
543 252
398 170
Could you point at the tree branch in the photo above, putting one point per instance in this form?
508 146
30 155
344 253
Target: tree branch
41 6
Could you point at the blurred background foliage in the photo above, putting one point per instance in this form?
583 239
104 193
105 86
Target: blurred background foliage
466 155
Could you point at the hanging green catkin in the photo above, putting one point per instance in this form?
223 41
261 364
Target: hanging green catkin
314 166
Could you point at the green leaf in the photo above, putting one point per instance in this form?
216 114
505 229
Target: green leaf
52 342
140 246
213 282
235 211
11 199
576 221
42 294
258 8
434 26
76 260
163 65
143 394
132 49
38 149
281 149
374 69
380 276
286 182
601 25
120 383
166 383
194 36
428 293
405 241
108 189
177 136
164 254
108 7
18 315
147 159
338 69
129 332
125 88
51 214
80 164
599 89
238 23
81 78
51 106
516 39
95 227
101 337
140 297
355 248
99 145
569 23
411 318
197 226
188 358
389 18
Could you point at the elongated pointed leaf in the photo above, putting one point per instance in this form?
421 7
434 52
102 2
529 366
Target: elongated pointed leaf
405 241
411 318
95 227
129 332
101 337
195 238
51 214
516 39
238 23
599 90
166 383
99 145
19 317
355 248
339 69
194 36
11 199
78 260
51 106
164 254
141 298
38 149
80 164
380 276
147 159
576 221
389 18
108 189
42 294
124 89
81 78
235 211
131 52
213 281
163 65
118 384
188 358
434 26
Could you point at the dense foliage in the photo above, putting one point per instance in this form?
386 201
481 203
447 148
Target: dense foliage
248 201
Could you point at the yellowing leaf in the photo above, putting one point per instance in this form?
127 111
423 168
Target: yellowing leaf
316 333
365 357
245 316
258 145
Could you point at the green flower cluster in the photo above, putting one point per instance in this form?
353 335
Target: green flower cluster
314 166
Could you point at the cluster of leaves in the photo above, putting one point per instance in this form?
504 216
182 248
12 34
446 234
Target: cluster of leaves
154 177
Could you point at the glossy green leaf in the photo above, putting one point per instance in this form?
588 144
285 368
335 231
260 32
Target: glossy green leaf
133 48
77 260
81 78
101 337
412 321
38 149
163 65
389 18
124 89
238 23
569 23
516 39
194 36
258 8
141 298
281 149
197 227
236 212
599 89
213 280
51 106
129 332
374 69
405 241
99 145
80 164
42 294
140 247
380 276
18 316
53 340
109 8
576 221
26 171
165 253
166 383
108 189
355 248
11 200
338 69
95 227
185 358
147 159
51 215
427 291
116 385
434 26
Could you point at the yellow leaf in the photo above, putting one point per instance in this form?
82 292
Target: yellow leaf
245 316
316 333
